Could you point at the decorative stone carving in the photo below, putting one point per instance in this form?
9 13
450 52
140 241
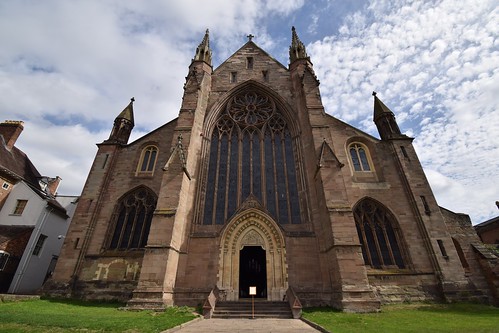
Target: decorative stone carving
252 227
252 238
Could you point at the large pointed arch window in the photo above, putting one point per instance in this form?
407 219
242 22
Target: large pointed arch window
378 236
251 154
133 217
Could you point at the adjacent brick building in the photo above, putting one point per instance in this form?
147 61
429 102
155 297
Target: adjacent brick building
254 184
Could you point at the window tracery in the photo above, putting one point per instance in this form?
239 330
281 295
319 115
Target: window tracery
133 220
148 159
378 237
251 153
359 157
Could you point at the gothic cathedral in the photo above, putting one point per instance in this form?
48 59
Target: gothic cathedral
254 184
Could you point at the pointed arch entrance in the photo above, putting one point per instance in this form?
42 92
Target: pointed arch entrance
252 252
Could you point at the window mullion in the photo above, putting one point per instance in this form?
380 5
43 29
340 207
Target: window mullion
366 245
263 163
215 186
134 224
387 241
276 196
251 134
227 176
376 241
290 217
123 227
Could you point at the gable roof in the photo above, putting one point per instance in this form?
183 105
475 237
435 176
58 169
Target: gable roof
15 164
489 224
248 45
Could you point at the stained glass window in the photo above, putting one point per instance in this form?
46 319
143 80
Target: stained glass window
378 237
148 159
359 157
251 153
133 220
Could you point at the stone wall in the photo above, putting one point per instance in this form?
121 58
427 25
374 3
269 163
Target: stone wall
466 241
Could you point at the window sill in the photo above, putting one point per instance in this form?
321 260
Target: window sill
364 177
144 174
393 272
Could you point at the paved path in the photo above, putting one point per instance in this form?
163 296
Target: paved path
245 326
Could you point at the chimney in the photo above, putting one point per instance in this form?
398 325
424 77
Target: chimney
53 185
10 130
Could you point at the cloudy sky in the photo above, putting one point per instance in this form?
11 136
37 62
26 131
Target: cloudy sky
67 68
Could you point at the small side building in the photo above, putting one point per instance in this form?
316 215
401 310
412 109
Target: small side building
488 231
33 218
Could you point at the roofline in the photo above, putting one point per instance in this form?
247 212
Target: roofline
487 223
352 127
259 48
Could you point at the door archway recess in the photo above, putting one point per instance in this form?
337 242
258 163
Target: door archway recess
252 227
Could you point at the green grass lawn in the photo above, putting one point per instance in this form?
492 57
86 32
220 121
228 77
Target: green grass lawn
411 318
57 316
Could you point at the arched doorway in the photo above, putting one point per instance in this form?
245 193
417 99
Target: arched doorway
252 253
252 271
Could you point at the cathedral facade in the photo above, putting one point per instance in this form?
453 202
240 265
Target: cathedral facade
255 185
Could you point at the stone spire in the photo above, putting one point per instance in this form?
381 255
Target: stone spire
297 49
203 52
123 125
385 120
380 109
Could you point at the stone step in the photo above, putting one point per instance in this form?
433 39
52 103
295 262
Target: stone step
145 304
243 309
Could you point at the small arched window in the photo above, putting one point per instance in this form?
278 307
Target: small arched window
148 159
378 237
359 157
133 217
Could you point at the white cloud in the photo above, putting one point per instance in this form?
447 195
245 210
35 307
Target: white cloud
68 68
434 63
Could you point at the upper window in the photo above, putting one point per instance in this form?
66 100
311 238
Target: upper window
233 77
251 154
39 245
359 157
21 204
249 62
5 186
378 236
148 159
133 217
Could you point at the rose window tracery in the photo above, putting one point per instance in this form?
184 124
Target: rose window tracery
251 108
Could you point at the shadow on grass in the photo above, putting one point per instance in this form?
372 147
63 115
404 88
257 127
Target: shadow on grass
459 308
84 303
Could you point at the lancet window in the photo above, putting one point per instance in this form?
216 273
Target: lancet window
359 157
148 159
378 236
133 217
251 154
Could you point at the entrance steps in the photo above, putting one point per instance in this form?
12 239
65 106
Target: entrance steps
242 309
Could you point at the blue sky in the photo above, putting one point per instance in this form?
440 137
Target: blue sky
67 68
